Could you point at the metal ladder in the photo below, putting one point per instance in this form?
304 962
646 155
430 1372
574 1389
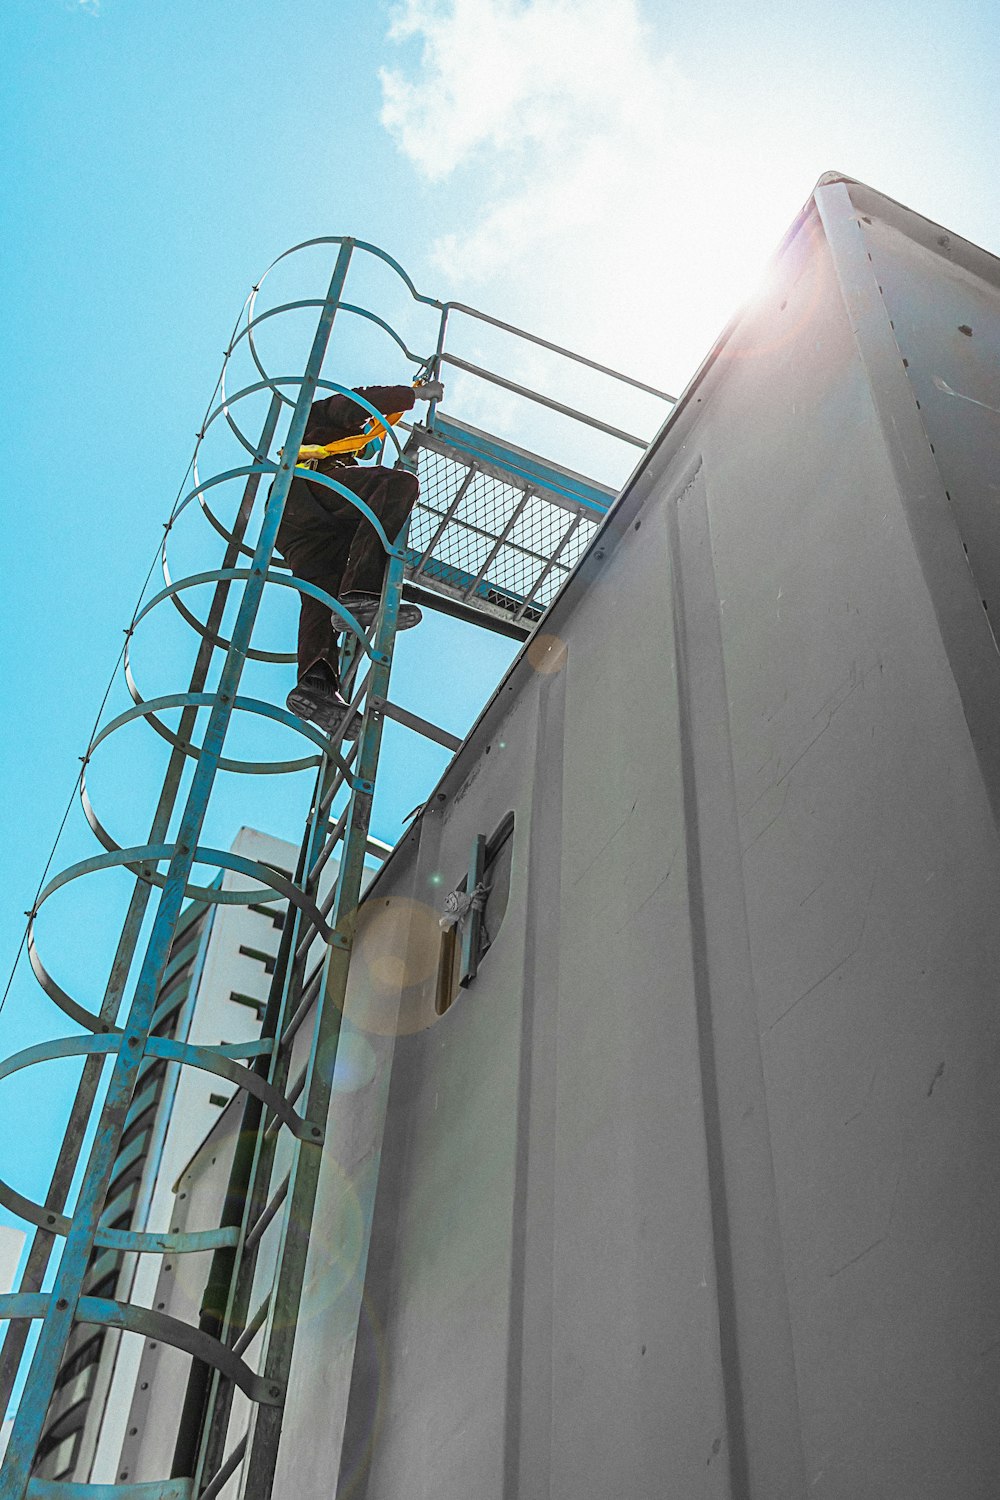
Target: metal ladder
286 1075
275 1103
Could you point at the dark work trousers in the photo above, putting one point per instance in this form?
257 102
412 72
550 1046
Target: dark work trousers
327 541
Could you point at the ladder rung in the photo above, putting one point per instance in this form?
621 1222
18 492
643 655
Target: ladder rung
309 993
338 780
326 905
311 985
295 1021
246 1338
329 794
306 941
336 834
219 1480
293 1093
256 1230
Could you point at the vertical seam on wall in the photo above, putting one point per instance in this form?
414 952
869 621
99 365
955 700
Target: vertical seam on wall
721 1239
759 1387
535 1148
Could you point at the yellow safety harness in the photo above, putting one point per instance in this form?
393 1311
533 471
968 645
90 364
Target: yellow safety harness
314 453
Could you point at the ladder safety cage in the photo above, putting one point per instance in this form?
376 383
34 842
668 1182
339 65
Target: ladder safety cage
495 531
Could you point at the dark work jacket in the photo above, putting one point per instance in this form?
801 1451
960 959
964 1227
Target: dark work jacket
339 417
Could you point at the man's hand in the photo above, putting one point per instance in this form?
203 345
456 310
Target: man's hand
428 390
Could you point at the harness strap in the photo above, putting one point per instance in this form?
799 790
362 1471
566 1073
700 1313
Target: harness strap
316 452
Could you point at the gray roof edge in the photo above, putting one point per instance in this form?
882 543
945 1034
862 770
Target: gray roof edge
934 236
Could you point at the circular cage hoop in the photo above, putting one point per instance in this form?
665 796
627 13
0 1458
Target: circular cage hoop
345 239
220 642
240 547
221 1061
313 477
148 708
340 240
107 1312
289 581
248 332
141 860
329 385
267 467
253 653
271 383
239 471
224 408
264 466
50 1051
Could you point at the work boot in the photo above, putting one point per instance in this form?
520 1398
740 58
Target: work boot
364 608
317 697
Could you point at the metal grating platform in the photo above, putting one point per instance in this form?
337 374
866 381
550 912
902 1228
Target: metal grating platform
496 528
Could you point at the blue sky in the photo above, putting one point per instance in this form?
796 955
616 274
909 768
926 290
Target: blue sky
611 173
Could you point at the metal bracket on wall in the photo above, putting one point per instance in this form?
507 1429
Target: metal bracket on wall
473 928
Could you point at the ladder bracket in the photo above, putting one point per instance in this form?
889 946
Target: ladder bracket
414 721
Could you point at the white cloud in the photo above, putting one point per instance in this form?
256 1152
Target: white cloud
610 208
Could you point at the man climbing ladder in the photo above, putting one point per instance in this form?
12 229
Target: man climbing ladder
326 540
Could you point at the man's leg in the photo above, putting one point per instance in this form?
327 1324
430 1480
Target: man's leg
318 640
315 543
391 494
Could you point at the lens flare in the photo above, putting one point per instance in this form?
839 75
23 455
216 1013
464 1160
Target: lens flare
394 966
547 653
